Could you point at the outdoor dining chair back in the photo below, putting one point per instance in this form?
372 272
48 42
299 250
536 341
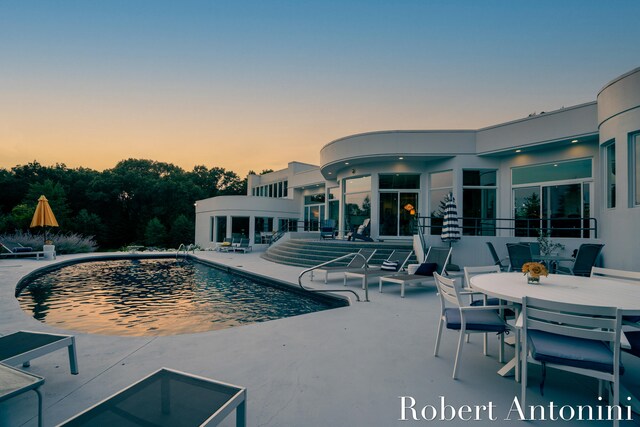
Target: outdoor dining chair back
585 260
581 339
519 254
496 259
456 315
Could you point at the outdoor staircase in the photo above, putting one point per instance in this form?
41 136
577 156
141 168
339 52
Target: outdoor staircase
308 253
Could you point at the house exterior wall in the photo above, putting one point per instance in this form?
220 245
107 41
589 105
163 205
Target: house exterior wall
566 134
619 119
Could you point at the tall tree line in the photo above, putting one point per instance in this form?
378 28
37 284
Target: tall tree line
138 201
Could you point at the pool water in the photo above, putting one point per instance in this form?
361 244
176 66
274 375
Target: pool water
156 297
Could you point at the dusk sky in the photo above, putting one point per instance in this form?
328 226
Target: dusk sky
255 84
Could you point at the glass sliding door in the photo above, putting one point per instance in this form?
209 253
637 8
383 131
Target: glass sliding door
396 192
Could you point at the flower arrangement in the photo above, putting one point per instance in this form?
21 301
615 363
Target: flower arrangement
533 271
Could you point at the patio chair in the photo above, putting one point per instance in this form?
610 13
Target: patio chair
464 318
394 263
328 229
226 245
582 339
362 232
356 264
436 260
620 275
586 258
23 346
496 259
15 249
243 246
519 254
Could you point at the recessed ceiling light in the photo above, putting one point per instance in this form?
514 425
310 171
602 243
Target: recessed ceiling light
518 151
346 163
330 173
574 141
555 165
400 158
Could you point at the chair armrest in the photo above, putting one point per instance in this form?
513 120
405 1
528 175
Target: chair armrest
486 307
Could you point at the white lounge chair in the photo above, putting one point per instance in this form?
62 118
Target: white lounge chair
356 264
438 256
397 258
15 249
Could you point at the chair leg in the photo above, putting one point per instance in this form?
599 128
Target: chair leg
73 357
438 335
380 284
458 353
523 382
402 290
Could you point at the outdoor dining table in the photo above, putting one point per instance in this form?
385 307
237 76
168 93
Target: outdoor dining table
513 287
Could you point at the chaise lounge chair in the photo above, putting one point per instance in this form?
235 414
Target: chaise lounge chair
23 346
15 249
435 261
394 263
357 264
243 246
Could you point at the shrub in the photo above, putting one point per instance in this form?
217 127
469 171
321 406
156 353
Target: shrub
70 243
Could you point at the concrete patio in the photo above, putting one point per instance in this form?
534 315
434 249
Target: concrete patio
343 367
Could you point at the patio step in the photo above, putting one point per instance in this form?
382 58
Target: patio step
307 253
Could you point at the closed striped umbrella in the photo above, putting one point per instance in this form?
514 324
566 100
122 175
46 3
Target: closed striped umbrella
450 229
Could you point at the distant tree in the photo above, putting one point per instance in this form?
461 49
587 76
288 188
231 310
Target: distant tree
21 216
264 171
182 231
88 224
155 233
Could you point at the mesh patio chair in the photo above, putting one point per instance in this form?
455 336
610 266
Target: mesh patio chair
23 346
496 259
356 264
394 263
581 339
243 246
436 260
585 260
464 318
327 229
519 254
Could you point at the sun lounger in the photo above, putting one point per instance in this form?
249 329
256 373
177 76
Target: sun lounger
17 250
23 346
399 258
243 246
437 259
357 264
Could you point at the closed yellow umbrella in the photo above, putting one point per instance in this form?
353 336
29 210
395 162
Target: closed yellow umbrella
43 216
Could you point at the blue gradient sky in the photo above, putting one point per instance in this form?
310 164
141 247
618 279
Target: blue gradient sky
255 84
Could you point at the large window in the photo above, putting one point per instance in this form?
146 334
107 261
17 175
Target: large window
334 204
263 228
396 192
441 184
553 197
240 227
357 201
277 189
610 173
634 155
479 202
221 228
313 211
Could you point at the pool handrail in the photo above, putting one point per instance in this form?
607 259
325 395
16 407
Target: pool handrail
353 254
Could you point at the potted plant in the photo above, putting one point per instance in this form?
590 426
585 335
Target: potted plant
547 246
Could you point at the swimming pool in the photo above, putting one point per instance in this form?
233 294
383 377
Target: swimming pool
140 296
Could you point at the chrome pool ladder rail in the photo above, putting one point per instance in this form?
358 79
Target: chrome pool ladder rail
184 248
351 255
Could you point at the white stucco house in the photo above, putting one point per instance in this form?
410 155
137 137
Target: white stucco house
574 172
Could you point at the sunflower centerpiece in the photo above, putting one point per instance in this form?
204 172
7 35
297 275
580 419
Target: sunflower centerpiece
533 271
